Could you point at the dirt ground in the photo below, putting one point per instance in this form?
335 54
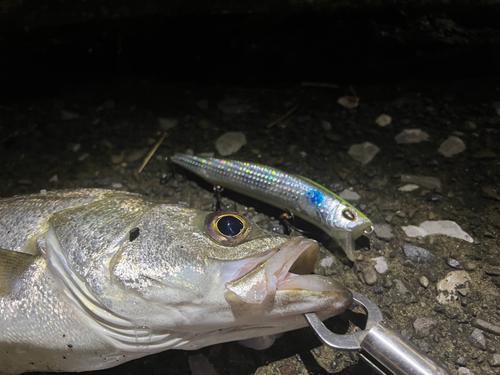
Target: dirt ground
97 135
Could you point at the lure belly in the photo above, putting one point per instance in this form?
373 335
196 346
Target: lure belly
303 197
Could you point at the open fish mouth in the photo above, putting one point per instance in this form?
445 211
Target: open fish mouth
287 267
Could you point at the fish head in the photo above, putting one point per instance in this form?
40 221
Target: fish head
349 224
217 277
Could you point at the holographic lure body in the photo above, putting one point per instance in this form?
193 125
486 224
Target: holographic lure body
303 197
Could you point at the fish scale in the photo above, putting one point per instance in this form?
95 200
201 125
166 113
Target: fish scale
301 196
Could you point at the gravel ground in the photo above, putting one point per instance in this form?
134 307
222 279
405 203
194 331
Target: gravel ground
438 291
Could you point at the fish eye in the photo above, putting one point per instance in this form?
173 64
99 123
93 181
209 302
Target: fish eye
227 228
349 214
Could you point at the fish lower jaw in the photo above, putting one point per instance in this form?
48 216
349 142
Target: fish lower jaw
313 283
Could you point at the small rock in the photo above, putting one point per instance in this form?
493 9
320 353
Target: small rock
199 365
455 282
402 291
67 115
383 232
424 326
202 104
234 106
53 178
494 360
445 227
229 143
464 370
369 275
418 254
136 155
477 339
424 281
452 146
167 123
326 125
424 346
462 361
117 185
117 159
363 152
383 120
381 265
451 313
411 136
491 192
348 102
425 181
349 195
454 263
83 156
327 262
408 187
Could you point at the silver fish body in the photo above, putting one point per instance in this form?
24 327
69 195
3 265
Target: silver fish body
93 278
303 197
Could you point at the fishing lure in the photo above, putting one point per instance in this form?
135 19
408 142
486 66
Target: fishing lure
301 196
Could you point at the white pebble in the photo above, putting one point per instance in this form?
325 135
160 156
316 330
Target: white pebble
348 102
349 195
381 264
167 123
83 156
383 120
445 227
116 185
425 181
452 146
363 152
408 187
453 286
230 142
408 136
326 262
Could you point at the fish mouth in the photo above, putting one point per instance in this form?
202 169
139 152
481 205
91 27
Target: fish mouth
287 267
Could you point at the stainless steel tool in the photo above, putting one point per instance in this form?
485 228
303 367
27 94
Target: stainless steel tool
380 346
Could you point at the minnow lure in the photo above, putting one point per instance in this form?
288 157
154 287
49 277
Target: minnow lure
303 197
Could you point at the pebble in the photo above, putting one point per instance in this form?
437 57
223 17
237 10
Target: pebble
326 125
452 146
53 178
424 281
445 227
424 346
455 282
229 143
67 115
363 152
486 326
477 339
383 120
136 155
369 275
402 292
408 187
418 254
424 326
348 102
83 156
454 263
383 232
492 270
408 136
234 106
199 365
118 158
202 104
494 360
462 361
491 192
425 181
380 264
349 195
167 123
464 370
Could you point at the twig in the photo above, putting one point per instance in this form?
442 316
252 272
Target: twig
283 117
320 84
151 153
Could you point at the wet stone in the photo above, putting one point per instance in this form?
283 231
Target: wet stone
424 326
424 346
494 360
477 339
452 146
461 362
383 232
424 281
418 254
454 263
369 275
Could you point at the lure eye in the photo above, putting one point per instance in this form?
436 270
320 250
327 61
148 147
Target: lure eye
349 214
227 228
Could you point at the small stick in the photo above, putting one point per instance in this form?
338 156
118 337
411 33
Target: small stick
320 84
151 153
283 117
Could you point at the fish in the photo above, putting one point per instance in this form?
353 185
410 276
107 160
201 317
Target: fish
300 195
93 278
